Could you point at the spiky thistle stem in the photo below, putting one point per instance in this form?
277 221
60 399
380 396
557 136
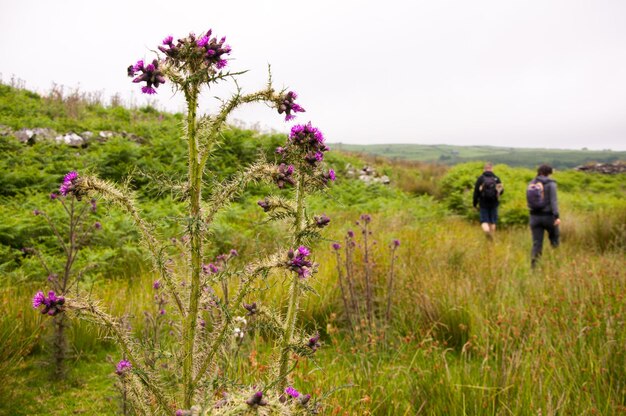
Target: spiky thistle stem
195 234
294 292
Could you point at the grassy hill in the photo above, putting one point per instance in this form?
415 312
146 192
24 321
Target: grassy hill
451 155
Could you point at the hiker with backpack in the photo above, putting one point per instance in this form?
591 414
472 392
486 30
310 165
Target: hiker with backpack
487 193
544 211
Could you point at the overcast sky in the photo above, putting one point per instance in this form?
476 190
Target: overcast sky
521 73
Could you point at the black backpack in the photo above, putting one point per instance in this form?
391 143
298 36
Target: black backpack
535 195
489 189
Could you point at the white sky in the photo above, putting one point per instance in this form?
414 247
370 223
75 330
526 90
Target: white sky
521 73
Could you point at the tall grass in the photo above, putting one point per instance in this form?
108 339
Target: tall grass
474 330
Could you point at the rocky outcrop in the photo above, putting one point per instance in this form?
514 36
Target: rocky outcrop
605 168
73 139
368 175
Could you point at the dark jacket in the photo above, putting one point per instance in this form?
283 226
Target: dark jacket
478 197
549 190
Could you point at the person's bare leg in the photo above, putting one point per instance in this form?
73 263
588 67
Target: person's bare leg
487 229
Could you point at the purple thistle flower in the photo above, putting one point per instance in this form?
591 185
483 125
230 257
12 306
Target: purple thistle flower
286 104
123 367
314 342
336 246
284 175
210 268
52 304
256 400
168 40
321 221
298 263
203 41
162 312
93 205
36 212
306 134
150 74
97 225
251 308
396 243
39 299
292 392
53 196
331 175
366 218
265 204
350 234
233 253
156 285
68 183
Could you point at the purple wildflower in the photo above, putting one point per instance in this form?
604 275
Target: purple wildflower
168 40
298 263
366 218
314 342
162 312
53 304
36 212
251 308
310 140
69 181
321 221
284 175
39 299
328 177
336 246
396 243
233 253
150 74
265 204
292 392
210 268
156 285
123 367
53 196
286 104
97 225
350 234
93 203
256 400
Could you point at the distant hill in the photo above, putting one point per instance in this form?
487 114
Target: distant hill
452 155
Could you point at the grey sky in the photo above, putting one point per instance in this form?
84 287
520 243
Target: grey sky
532 73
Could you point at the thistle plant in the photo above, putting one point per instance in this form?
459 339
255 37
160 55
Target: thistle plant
367 299
71 235
205 297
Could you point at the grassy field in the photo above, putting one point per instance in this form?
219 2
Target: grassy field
474 331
